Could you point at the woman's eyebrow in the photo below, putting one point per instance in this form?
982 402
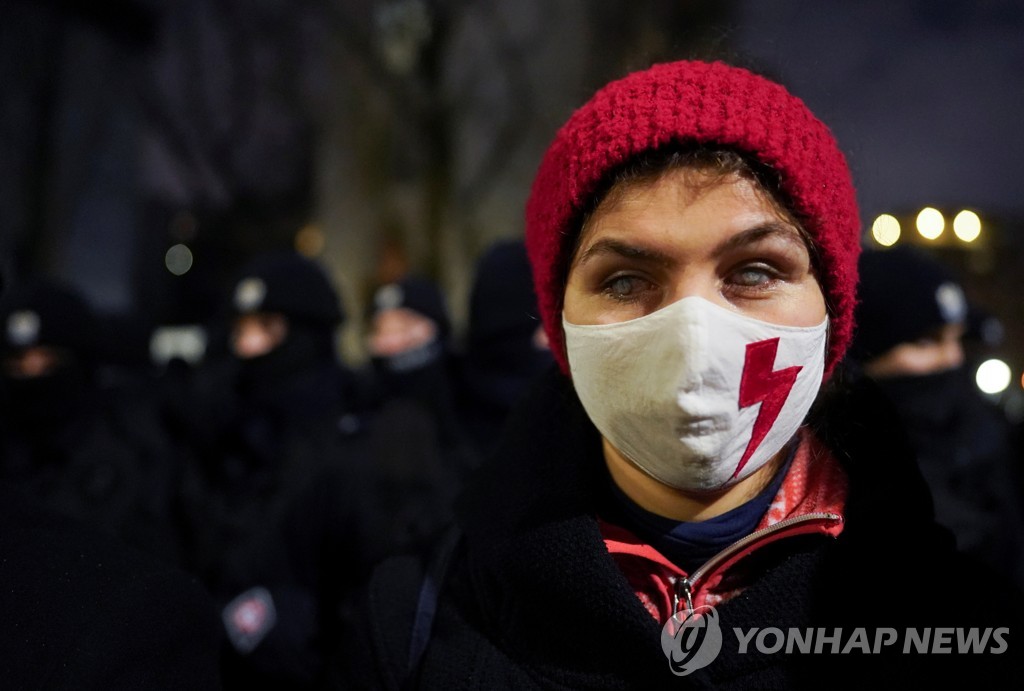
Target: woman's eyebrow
771 229
623 249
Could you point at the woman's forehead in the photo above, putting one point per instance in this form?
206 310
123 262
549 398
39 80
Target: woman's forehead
687 185
728 204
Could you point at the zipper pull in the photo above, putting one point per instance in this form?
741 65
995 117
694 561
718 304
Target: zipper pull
683 591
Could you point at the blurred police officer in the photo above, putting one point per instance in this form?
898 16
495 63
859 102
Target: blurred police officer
80 610
77 447
912 319
389 490
410 347
262 419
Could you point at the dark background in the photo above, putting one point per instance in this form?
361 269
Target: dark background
379 136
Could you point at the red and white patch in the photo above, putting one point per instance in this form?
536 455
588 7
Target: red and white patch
249 618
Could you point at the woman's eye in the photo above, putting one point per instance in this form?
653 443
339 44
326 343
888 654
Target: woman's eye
753 277
624 287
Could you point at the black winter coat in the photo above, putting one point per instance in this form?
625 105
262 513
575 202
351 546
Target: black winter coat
79 611
532 598
102 459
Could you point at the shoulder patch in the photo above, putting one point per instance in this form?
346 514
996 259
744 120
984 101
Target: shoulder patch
249 618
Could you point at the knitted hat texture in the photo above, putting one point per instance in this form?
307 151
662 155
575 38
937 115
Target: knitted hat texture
700 103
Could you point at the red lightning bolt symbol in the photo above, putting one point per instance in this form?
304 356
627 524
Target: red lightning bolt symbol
760 384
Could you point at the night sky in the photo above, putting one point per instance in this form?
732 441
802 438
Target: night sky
925 96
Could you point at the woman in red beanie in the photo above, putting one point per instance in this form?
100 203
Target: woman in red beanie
666 510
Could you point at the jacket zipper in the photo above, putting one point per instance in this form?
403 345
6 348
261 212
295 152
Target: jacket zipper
685 586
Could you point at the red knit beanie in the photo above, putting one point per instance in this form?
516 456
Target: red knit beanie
699 103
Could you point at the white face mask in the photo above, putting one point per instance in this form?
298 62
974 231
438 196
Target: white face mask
695 395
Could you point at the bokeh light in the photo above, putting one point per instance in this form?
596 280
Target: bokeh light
967 225
310 241
993 376
178 260
886 230
930 223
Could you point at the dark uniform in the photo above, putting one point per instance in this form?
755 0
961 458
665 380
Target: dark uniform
259 429
80 610
79 448
390 491
422 375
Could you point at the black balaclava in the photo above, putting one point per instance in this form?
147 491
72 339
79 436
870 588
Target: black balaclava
307 348
929 402
423 374
404 373
289 284
299 379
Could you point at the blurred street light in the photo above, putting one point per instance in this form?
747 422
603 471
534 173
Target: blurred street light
310 241
967 226
993 376
886 230
930 223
